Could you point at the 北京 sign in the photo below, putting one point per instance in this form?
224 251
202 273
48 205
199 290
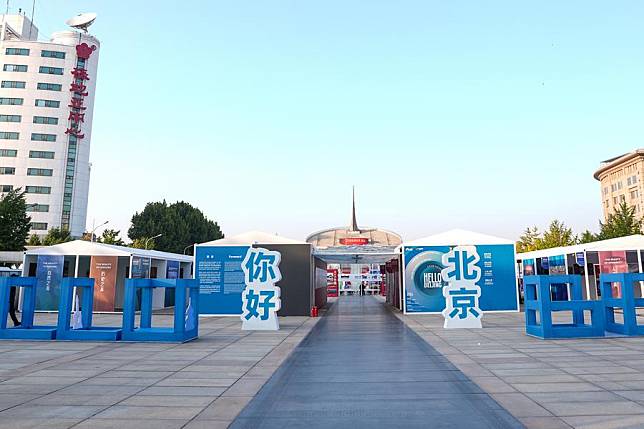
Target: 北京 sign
261 298
461 292
425 278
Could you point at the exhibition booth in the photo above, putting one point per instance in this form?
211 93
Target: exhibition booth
422 262
589 260
218 268
109 265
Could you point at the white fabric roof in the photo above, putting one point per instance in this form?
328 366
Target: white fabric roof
87 248
457 237
631 242
252 237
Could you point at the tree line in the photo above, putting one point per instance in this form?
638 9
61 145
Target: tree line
621 223
161 226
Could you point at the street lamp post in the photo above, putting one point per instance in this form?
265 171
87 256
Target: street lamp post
95 228
147 240
187 247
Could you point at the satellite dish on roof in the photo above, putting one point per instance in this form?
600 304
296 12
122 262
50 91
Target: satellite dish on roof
81 21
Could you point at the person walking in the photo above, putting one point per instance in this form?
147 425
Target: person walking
12 304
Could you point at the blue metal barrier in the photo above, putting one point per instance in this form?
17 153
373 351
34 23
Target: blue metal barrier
27 330
627 302
186 326
538 299
87 332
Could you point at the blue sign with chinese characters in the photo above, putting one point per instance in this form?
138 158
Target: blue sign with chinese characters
424 282
221 278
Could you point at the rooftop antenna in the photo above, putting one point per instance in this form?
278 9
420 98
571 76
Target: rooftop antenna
33 10
82 21
354 222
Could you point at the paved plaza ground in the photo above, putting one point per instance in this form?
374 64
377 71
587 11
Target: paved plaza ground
201 384
359 367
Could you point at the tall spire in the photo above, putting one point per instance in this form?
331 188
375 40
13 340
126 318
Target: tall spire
354 222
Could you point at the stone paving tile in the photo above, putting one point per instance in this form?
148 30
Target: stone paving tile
139 385
588 383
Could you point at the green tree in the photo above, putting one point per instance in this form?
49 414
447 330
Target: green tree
530 240
34 240
180 225
14 222
587 237
558 235
111 236
621 223
56 236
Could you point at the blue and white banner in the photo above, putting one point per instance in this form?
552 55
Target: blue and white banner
221 278
424 283
49 274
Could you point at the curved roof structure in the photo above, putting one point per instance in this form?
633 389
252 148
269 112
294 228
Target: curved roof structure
352 244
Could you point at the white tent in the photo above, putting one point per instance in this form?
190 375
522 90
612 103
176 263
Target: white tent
631 242
252 237
88 248
456 237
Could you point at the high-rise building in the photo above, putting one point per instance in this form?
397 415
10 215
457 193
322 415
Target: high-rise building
46 105
621 181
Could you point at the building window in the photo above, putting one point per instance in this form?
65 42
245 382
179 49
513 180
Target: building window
614 201
632 180
13 84
9 153
39 226
6 188
50 70
47 103
40 172
9 135
15 67
10 118
41 154
38 189
606 190
11 101
45 120
16 51
49 86
8 170
622 198
52 54
619 185
634 194
42 208
39 137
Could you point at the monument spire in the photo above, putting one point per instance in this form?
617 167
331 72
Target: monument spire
354 222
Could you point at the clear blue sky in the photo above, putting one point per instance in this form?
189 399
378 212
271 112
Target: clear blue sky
488 116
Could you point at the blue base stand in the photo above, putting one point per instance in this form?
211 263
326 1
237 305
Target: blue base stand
27 330
538 299
87 332
186 323
627 302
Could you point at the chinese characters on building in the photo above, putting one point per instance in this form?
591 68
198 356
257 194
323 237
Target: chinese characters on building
462 293
261 298
76 117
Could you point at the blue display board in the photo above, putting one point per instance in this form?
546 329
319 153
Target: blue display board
49 274
221 279
424 284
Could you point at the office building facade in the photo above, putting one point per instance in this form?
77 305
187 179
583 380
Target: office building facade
46 106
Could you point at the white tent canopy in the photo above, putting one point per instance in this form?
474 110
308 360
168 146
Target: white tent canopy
87 248
252 237
631 242
457 237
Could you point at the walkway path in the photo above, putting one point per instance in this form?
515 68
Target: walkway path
361 366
